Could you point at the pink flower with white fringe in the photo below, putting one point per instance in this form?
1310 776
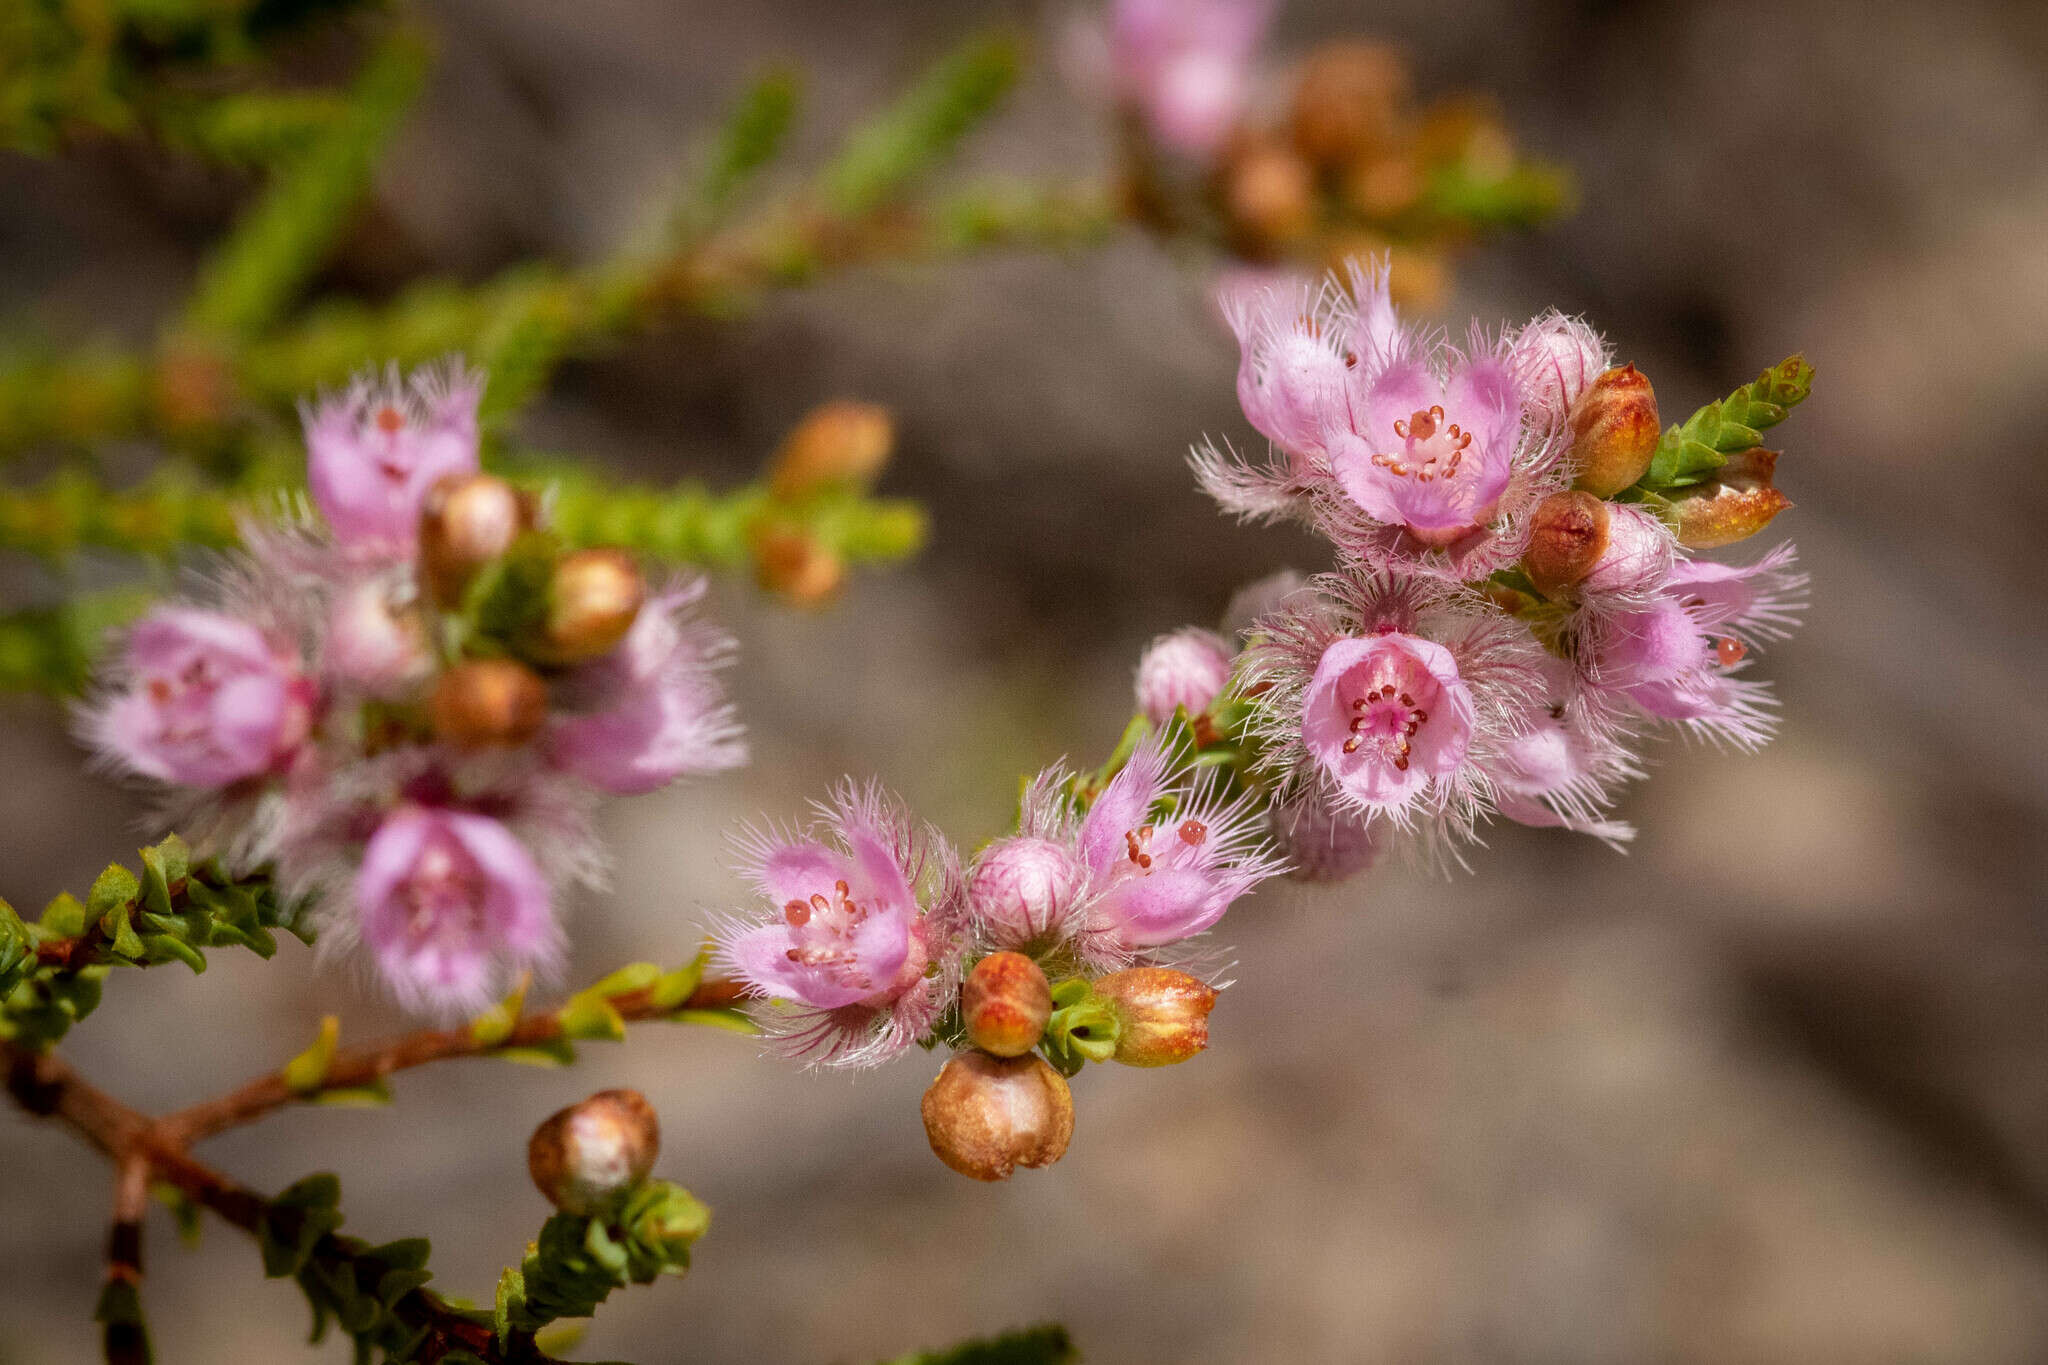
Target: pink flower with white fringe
1555 359
1185 65
205 700
451 906
1323 843
1678 657
861 954
1390 696
1563 771
652 710
373 452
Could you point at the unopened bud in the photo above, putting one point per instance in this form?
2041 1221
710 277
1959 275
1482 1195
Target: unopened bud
796 566
1022 889
1269 196
1383 186
588 1156
1735 505
1614 431
1162 1014
1189 668
986 1116
1347 101
841 442
1005 1003
485 702
593 597
1638 554
467 521
1567 536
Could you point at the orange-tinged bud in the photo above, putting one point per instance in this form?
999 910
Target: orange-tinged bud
1162 1014
588 1156
842 442
593 598
1269 195
796 566
1347 102
1736 504
986 1116
1614 431
485 702
1567 536
467 521
1005 1003
1381 187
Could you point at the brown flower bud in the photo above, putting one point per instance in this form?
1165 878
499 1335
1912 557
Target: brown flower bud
1737 503
836 443
1269 195
1614 431
1567 536
794 565
985 1116
467 521
1347 102
1383 186
589 1155
483 702
1162 1014
593 597
1005 1003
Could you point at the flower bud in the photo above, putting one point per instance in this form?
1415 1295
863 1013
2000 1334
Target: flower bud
588 1156
486 702
593 598
1346 101
794 565
1269 196
1736 504
1638 553
1556 359
1021 890
985 1116
375 642
1163 1015
1614 431
1188 668
836 443
1567 535
1005 1003
467 521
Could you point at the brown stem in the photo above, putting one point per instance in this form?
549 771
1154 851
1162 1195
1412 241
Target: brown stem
366 1065
126 1340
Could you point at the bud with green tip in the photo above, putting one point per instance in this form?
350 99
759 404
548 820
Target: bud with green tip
588 1157
1162 1014
1614 431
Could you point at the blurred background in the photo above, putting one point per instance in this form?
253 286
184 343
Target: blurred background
1771 1087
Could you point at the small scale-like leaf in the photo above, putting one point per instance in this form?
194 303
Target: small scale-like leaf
732 1021
307 1072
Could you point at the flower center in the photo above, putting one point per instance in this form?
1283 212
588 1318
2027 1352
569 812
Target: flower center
1385 722
1139 854
1431 448
823 929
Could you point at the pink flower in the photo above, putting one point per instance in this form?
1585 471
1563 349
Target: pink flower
1159 855
1189 668
652 710
450 904
1323 843
208 701
1556 359
1677 658
1401 449
1387 696
376 639
1023 891
374 451
861 954
1638 558
1384 714
1562 772
1185 65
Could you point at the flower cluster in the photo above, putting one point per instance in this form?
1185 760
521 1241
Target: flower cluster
411 702
1514 599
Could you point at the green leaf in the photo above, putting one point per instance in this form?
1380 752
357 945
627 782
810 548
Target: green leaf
305 1073
555 1052
923 126
495 1025
1047 1345
1690 452
632 977
731 1020
673 988
589 1016
114 889
63 917
372 1096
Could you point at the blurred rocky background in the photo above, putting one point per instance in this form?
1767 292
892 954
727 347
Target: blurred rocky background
1770 1088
